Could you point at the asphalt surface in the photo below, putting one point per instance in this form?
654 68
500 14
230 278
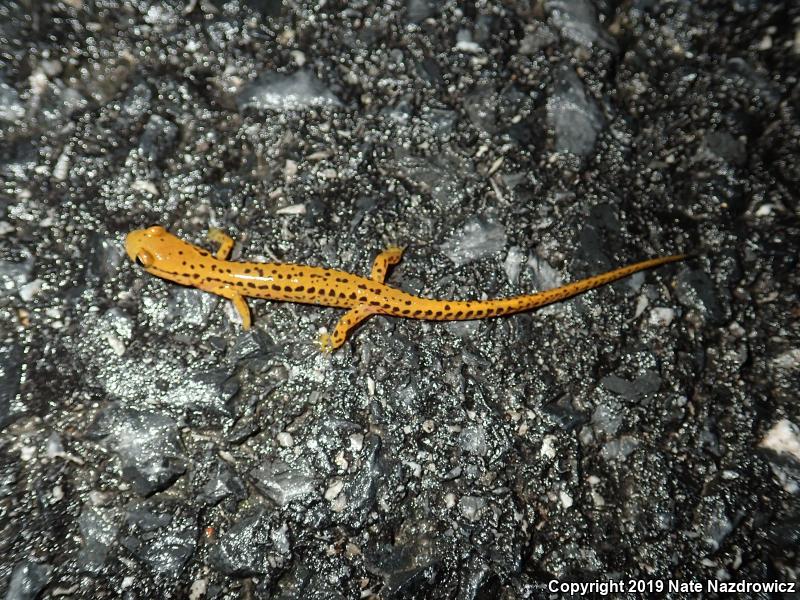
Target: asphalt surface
647 431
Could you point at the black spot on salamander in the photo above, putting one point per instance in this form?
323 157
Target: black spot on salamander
246 271
287 288
203 253
458 314
353 296
362 286
406 311
375 303
183 264
332 292
408 303
468 313
276 287
180 252
251 284
213 267
240 283
342 295
196 275
311 290
438 313
417 312
428 312
321 291
299 288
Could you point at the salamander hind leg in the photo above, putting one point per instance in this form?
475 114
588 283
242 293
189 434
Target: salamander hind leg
390 256
351 319
224 240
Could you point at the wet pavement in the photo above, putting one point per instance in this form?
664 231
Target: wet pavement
648 430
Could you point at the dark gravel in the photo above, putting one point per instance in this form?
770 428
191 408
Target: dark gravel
648 430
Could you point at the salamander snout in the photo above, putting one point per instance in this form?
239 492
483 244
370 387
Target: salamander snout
143 245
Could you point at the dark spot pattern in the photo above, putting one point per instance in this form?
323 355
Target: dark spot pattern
344 290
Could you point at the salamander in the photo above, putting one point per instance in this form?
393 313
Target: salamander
165 255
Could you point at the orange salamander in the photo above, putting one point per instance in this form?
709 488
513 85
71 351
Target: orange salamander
169 257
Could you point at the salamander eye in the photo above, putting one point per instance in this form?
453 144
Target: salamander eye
144 259
155 230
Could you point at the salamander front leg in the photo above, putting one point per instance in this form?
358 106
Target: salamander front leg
224 240
351 319
239 304
390 256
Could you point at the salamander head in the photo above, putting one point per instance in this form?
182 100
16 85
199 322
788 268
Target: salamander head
159 252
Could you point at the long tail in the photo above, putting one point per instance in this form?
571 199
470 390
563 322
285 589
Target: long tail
590 283
458 310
